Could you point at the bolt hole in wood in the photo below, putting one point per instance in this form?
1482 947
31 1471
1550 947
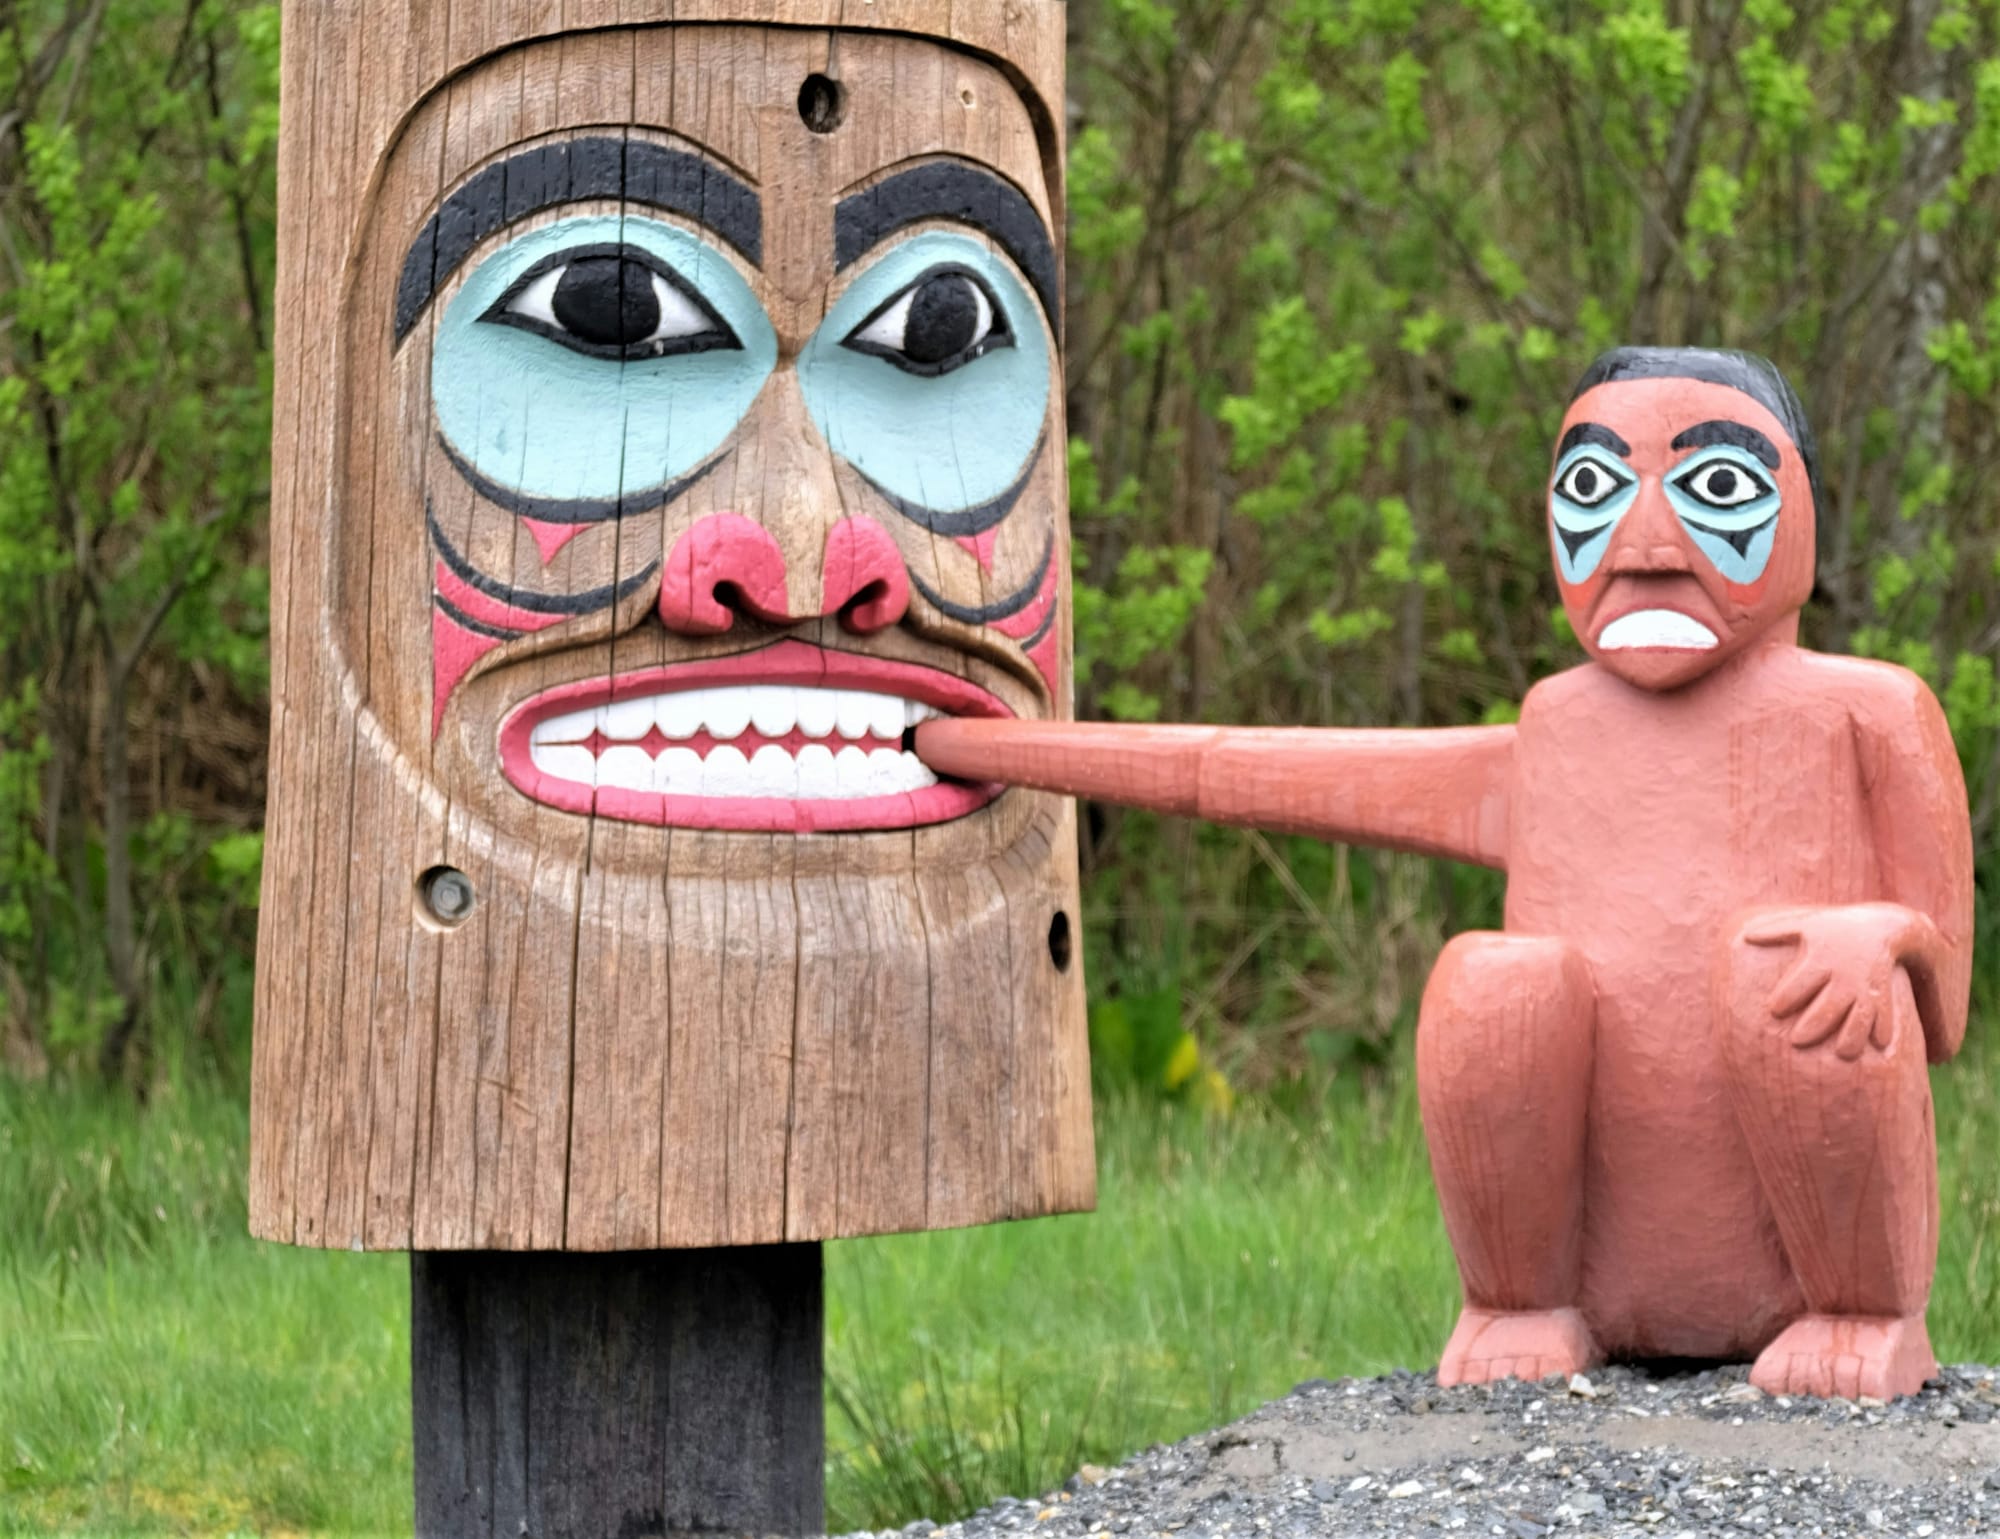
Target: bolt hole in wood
445 897
1059 941
821 103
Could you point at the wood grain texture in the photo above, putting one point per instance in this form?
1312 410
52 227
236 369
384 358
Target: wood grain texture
641 1036
716 1424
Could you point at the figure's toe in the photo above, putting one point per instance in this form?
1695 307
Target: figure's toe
1847 1356
1488 1345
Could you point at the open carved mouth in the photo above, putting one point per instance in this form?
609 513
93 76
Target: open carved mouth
791 738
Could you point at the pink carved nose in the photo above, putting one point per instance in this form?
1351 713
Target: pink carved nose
866 582
725 562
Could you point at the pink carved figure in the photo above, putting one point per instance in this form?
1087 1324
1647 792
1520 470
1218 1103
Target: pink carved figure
1679 1106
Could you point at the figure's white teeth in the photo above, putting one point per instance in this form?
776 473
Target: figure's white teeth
818 709
626 721
679 715
725 772
773 709
625 768
854 712
1666 629
773 772
817 777
569 728
566 761
677 772
726 712
863 766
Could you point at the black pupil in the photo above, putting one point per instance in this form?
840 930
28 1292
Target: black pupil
1585 481
943 320
607 300
1722 483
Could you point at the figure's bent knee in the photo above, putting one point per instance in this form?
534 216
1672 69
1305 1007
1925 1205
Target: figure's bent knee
1482 971
1501 1007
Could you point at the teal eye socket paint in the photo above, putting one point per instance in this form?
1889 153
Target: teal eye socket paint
597 359
1591 492
1728 501
931 376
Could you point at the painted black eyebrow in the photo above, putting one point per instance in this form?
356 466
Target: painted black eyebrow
567 171
1593 433
1738 435
950 189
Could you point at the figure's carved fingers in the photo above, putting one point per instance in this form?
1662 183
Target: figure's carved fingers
1779 929
1822 1018
1796 989
1857 1029
1884 1033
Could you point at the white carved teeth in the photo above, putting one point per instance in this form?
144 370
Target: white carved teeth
853 761
775 710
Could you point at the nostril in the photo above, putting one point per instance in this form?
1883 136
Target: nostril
722 566
866 583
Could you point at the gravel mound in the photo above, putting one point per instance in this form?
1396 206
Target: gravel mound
1626 1451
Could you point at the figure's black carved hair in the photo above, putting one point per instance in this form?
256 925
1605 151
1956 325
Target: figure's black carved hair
1756 377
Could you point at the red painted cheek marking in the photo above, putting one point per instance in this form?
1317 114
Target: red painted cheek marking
1043 656
981 546
454 650
485 608
551 538
1023 623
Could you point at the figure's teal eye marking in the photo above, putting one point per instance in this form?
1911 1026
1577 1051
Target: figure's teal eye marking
931 377
596 362
1591 492
1729 505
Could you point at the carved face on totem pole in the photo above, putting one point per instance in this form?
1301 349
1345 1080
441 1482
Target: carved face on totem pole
700 415
1681 510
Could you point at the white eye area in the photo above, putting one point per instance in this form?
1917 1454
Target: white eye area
1723 484
1587 483
942 320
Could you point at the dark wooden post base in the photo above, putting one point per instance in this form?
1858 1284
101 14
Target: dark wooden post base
617 1395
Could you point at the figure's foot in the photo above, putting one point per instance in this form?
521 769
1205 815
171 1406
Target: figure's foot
1847 1356
1490 1344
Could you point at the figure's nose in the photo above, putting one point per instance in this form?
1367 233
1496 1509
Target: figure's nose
725 565
1648 539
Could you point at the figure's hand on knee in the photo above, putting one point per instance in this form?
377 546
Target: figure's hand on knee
1841 986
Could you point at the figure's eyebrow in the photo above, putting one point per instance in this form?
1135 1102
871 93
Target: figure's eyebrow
1593 433
567 171
956 190
1738 435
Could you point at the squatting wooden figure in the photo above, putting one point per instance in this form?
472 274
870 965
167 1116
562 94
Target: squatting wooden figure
1679 1106
670 417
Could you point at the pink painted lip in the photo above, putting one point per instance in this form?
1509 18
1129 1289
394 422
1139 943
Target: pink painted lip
785 662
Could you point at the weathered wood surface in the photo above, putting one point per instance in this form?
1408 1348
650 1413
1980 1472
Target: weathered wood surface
642 1035
628 1393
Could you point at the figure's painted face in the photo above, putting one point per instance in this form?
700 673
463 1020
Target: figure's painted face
742 443
1681 522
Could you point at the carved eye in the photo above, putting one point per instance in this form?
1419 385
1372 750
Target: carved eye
944 320
612 302
1723 483
1588 481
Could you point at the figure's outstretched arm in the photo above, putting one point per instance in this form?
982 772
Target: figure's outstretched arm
1433 791
1923 848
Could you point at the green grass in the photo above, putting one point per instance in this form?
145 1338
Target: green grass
160 1372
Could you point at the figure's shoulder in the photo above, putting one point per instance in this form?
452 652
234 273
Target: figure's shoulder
1560 693
1870 687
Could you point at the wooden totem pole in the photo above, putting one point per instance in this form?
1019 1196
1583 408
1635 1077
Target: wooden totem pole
669 420
1679 1106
